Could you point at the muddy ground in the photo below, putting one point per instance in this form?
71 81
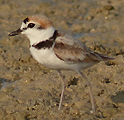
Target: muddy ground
29 91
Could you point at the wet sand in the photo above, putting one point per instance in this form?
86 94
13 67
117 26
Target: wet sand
29 91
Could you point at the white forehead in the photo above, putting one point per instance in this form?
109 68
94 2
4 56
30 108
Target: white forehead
23 25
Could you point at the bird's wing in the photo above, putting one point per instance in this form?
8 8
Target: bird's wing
73 51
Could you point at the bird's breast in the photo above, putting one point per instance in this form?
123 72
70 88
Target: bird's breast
46 57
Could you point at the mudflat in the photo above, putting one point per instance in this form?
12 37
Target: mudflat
29 91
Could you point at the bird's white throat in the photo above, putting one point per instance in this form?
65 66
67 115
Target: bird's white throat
35 35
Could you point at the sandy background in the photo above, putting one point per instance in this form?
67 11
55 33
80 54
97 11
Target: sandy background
30 91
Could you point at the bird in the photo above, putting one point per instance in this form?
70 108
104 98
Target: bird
58 51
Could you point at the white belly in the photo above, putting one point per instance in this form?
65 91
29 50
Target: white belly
47 58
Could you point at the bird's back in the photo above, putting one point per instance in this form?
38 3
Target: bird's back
74 51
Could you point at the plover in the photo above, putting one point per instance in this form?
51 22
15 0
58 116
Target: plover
57 51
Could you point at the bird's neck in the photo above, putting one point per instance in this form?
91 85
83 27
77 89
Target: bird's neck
41 35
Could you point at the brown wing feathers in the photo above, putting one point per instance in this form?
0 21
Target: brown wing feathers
76 53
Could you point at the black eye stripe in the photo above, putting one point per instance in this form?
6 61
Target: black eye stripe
40 27
24 28
31 25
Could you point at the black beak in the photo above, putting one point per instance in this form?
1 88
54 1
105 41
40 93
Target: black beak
15 32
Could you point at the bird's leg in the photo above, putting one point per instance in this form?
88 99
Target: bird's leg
90 91
63 89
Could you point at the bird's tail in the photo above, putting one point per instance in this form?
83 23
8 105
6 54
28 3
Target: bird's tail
104 57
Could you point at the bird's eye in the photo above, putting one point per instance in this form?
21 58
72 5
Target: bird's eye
31 25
